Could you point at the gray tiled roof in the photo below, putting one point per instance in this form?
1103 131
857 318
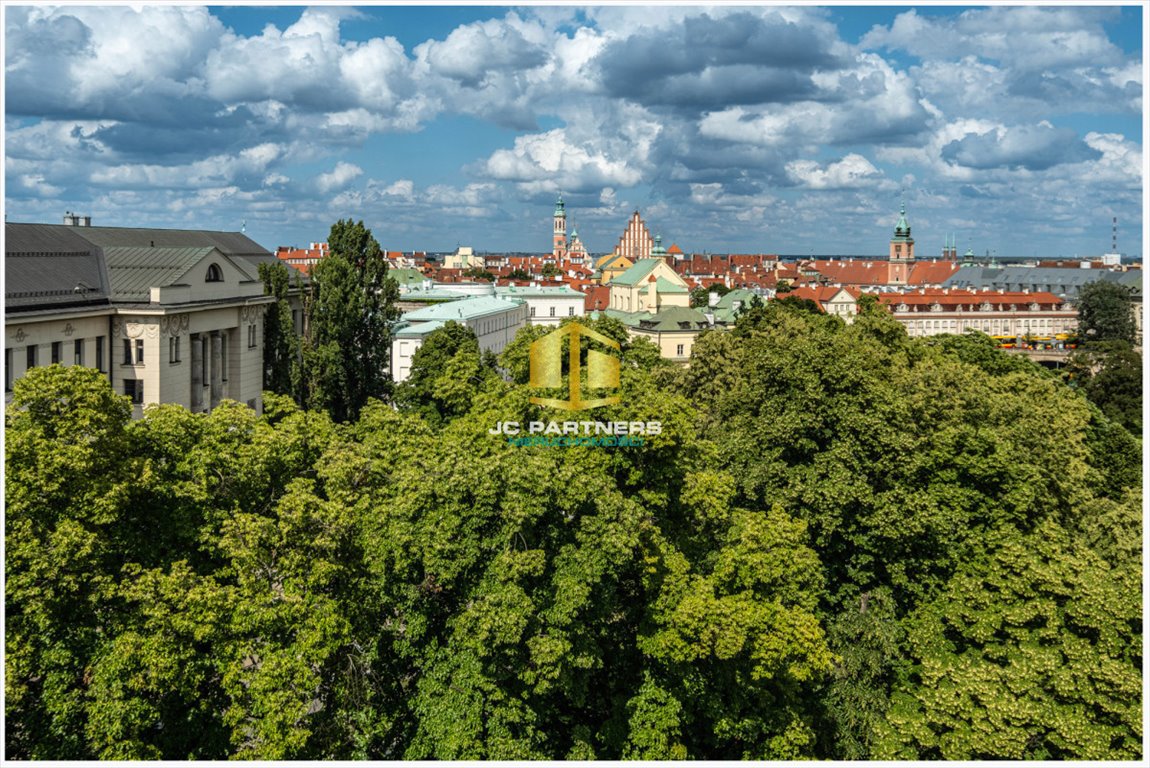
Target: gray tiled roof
134 271
233 244
228 243
48 265
1061 281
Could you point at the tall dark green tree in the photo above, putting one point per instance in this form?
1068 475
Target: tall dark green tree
350 309
1105 313
281 343
1110 375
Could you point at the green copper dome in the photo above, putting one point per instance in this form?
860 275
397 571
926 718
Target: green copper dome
559 207
902 228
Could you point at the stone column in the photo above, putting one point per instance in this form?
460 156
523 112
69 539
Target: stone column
217 368
197 345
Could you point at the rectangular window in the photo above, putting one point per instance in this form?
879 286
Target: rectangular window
533 311
32 356
679 351
8 369
78 352
57 351
99 353
127 351
139 351
174 349
134 388
552 311
570 311
251 336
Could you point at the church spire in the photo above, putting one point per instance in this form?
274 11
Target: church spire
559 230
902 228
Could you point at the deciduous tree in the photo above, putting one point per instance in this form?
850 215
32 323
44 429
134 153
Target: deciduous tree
1105 312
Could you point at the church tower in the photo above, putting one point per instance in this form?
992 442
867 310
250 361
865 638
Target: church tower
559 242
659 252
636 242
901 250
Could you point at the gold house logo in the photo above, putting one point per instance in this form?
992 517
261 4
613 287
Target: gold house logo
602 369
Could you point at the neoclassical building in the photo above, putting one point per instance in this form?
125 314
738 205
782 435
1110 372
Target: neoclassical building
171 316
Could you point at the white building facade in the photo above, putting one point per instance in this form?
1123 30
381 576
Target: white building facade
495 321
546 305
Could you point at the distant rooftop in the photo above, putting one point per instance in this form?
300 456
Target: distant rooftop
525 291
461 310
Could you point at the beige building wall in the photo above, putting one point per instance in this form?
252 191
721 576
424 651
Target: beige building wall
645 296
673 345
843 305
186 377
1018 323
42 331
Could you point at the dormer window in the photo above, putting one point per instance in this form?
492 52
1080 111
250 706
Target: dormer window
215 274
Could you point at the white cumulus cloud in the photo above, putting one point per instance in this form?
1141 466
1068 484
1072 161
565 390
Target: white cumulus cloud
338 178
852 172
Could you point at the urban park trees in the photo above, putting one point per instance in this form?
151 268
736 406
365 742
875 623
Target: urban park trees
844 543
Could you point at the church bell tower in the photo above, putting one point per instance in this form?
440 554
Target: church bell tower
559 241
901 250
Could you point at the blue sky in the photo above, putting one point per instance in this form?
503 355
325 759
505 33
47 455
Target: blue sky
761 128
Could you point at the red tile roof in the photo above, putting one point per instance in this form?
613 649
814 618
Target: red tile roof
598 297
820 294
931 272
954 298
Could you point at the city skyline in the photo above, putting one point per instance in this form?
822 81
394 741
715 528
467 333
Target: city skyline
793 130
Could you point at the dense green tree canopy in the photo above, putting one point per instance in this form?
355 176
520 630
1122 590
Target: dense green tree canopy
843 543
1109 373
1105 312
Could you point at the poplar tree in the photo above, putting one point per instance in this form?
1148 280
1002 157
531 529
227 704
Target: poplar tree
281 345
350 309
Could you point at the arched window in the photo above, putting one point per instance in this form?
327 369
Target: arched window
215 274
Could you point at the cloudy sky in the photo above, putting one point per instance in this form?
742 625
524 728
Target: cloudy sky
765 128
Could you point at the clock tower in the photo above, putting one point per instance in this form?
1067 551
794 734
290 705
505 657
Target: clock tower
901 250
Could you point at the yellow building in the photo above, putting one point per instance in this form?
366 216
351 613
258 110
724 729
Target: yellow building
648 286
654 303
611 266
463 258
